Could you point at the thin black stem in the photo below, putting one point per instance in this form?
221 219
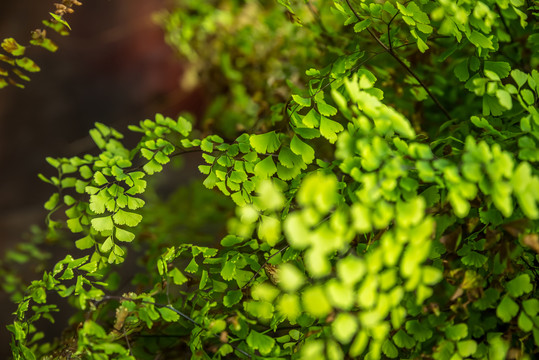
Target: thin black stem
408 69
183 152
389 31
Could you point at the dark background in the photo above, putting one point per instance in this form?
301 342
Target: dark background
114 68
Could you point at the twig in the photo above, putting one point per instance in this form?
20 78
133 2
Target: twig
396 57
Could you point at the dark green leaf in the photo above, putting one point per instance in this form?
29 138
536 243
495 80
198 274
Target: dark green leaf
403 340
519 286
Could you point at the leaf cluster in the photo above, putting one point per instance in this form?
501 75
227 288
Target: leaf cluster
17 67
386 208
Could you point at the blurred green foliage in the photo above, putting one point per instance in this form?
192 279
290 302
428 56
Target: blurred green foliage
375 165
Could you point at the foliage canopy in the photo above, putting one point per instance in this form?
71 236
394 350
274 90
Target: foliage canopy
383 201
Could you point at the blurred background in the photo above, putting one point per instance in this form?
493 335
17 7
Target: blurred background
114 68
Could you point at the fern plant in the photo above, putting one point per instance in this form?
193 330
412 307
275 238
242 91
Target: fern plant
387 208
18 66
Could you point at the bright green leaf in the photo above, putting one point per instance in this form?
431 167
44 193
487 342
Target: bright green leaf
456 332
265 143
102 223
507 309
265 168
122 217
260 342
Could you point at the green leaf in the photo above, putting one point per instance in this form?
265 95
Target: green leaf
161 158
531 306
329 129
52 202
122 217
60 20
27 64
211 180
411 212
85 243
192 267
147 154
302 102
11 46
89 267
102 223
124 235
320 190
232 298
467 348
519 77
456 332
74 225
285 173
475 259
85 172
524 322
107 245
519 286
326 109
134 203
528 96
480 40
231 240
152 167
229 269
403 340
265 168
361 216
389 349
98 201
260 342
461 71
270 196
265 143
362 25
504 98
488 300
291 278
419 331
507 309
312 119
344 327
259 309
315 302
184 126
168 314
269 229
177 277
460 205
298 147
290 160
500 68
307 133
